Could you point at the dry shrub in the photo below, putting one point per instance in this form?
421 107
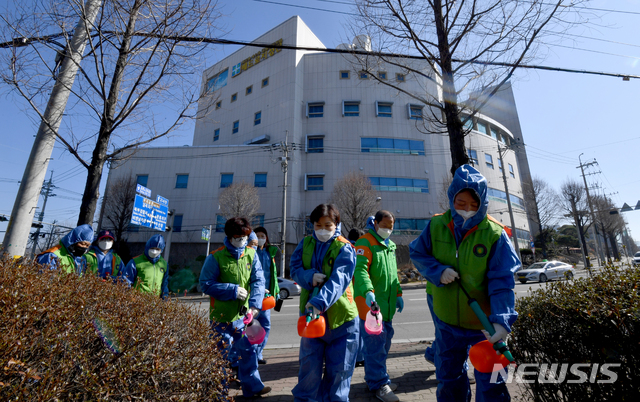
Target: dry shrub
64 337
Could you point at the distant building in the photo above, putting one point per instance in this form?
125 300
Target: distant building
338 120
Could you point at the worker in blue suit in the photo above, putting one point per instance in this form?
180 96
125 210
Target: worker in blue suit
472 249
149 272
327 261
67 255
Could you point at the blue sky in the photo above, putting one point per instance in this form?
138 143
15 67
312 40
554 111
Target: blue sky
562 115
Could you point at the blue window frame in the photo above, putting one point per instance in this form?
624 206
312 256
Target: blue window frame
265 82
351 108
260 180
468 123
182 180
511 172
220 221
133 228
494 133
395 184
501 196
315 145
400 77
473 156
364 75
249 90
234 97
382 75
315 110
500 164
392 146
383 109
216 134
218 104
177 223
344 75
415 112
482 127
488 160
226 179
256 118
257 220
410 226
142 179
315 183
236 127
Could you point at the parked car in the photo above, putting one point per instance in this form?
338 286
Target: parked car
288 288
544 271
636 259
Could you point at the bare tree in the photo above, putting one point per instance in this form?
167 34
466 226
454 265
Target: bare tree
48 239
134 86
443 193
464 47
543 207
609 225
118 205
573 200
239 199
356 200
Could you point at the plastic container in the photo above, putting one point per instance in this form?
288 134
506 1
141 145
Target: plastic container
253 330
268 302
315 328
373 323
484 358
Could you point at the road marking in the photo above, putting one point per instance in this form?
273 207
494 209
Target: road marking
424 298
411 323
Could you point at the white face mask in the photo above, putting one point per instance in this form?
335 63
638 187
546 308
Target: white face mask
105 245
466 215
324 235
154 252
261 242
240 242
384 233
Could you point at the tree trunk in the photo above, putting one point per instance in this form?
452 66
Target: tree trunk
543 236
614 245
94 174
604 238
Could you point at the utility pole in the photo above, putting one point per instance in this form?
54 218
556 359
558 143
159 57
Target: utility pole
514 231
593 215
284 163
47 194
208 242
167 243
583 247
15 240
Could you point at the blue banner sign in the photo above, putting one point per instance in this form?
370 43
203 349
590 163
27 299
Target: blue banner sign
149 213
143 190
162 201
206 234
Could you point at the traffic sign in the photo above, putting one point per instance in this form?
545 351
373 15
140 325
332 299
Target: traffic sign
143 190
149 213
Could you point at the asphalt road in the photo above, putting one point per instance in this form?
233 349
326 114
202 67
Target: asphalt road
412 325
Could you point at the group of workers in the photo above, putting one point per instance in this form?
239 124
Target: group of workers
341 279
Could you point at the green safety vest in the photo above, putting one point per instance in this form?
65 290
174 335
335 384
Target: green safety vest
377 271
345 308
233 271
470 260
273 287
66 261
92 262
149 276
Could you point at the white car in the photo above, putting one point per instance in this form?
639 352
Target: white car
636 259
544 271
288 288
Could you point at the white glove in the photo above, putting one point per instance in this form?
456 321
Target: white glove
254 312
318 279
316 312
242 294
501 333
448 275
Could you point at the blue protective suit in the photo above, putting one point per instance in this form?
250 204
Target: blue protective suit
452 343
130 272
105 261
265 316
237 348
336 349
81 233
429 353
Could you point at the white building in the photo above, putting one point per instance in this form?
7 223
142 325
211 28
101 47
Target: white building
337 121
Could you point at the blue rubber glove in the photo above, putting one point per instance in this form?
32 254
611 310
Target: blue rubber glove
370 298
399 304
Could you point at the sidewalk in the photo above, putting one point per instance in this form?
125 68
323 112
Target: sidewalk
406 365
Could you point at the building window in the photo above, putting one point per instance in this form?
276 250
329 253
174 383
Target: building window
216 134
315 145
234 97
257 221
391 146
315 109
133 228
410 226
400 77
415 112
260 180
500 165
494 133
397 184
236 127
218 104
226 179
503 138
142 179
217 81
256 118
248 90
177 224
511 172
314 182
364 75
344 75
182 180
468 123
382 75
383 109
482 128
473 156
265 82
489 160
220 221
501 196
350 108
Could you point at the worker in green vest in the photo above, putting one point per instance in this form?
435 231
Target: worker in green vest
267 254
376 280
232 276
326 260
101 259
465 245
149 272
67 255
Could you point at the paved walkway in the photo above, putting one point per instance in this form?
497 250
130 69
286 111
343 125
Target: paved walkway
407 367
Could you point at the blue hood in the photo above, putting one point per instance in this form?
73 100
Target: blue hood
370 222
235 252
156 241
81 233
467 177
